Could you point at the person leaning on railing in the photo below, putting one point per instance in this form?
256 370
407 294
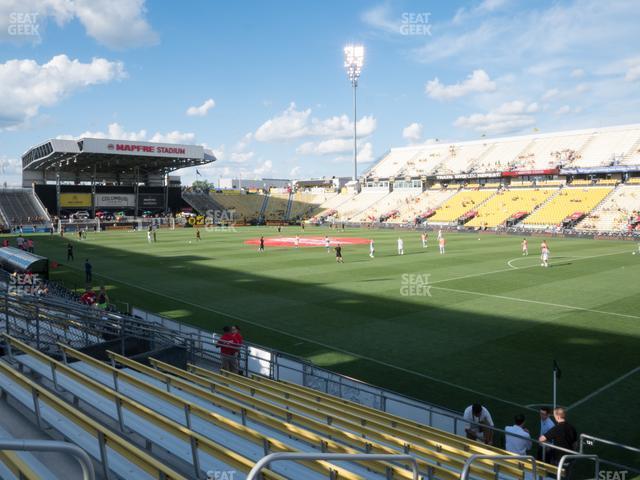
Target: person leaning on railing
229 346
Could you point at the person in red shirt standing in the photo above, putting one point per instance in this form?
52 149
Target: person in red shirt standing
235 331
228 344
88 297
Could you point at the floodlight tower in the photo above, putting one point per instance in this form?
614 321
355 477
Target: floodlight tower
353 62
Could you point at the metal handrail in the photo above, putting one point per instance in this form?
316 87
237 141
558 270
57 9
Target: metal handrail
196 340
79 454
563 460
584 438
464 475
264 462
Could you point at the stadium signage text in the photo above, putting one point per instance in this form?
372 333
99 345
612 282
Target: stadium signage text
124 147
520 173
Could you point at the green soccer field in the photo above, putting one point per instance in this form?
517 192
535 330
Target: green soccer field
486 328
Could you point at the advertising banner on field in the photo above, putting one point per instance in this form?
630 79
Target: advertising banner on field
115 200
75 200
150 200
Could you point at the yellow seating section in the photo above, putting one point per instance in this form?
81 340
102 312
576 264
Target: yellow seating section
499 208
459 204
569 200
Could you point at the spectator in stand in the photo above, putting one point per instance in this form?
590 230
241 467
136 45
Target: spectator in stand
546 424
88 268
515 443
103 299
228 350
5 243
479 420
88 297
30 246
235 331
563 435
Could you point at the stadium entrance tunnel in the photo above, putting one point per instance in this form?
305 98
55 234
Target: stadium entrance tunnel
307 241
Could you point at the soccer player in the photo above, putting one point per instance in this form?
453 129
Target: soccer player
544 254
525 248
339 258
441 243
297 241
423 237
400 246
327 243
439 234
69 252
149 235
198 234
372 248
261 247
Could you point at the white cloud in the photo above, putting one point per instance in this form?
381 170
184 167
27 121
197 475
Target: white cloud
26 86
365 155
508 117
118 132
563 110
241 157
289 124
325 147
380 17
633 73
412 132
173 137
10 171
263 168
476 82
549 94
295 171
202 110
115 23
293 123
242 144
577 73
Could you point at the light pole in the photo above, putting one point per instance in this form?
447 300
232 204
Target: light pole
353 62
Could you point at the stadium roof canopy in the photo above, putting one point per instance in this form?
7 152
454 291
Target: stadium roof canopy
87 155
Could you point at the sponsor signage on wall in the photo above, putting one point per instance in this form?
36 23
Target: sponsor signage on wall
115 200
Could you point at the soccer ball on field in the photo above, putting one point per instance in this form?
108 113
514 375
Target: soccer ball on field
633 253
189 241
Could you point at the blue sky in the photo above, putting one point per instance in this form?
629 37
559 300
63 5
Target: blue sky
262 83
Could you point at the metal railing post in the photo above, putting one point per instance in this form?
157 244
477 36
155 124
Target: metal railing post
80 455
464 475
265 461
563 460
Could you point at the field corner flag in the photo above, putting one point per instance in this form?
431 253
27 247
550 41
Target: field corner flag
556 369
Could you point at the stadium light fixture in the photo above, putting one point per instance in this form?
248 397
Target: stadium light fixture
353 63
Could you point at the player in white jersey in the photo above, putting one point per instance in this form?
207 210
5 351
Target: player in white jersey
424 237
439 234
327 243
297 241
441 243
372 248
525 248
544 254
400 246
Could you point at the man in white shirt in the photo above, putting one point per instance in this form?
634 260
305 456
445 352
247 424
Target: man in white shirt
400 246
517 444
479 420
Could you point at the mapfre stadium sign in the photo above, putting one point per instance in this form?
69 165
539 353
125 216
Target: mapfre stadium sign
123 147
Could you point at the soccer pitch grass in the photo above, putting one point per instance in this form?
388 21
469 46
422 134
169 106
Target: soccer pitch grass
488 329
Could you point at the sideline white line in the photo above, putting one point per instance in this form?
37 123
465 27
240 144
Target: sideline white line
523 268
315 342
538 302
337 349
603 388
